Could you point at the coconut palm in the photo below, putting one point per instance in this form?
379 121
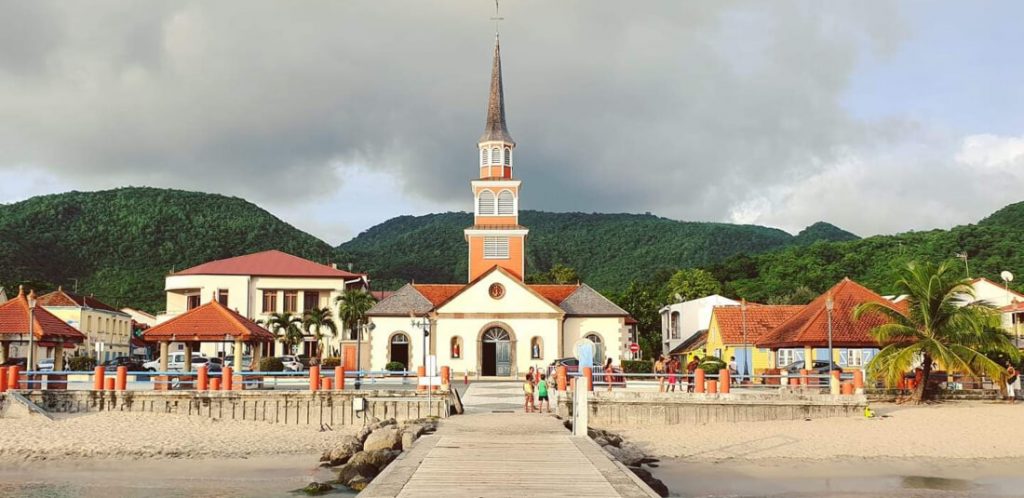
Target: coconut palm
352 307
316 319
287 327
944 325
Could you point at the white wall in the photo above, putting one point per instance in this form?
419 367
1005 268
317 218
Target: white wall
694 315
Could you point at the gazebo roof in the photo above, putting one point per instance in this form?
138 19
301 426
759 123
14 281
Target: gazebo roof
211 322
14 318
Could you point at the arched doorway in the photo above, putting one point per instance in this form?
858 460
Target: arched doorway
496 354
399 349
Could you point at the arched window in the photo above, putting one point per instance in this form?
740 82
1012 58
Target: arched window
485 203
508 156
506 203
598 348
495 156
456 349
483 157
536 348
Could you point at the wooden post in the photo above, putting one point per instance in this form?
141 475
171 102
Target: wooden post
562 372
122 378
698 380
723 377
588 373
202 378
227 377
314 378
97 381
339 378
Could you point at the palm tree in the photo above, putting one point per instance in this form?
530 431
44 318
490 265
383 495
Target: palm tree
287 327
315 319
352 307
943 325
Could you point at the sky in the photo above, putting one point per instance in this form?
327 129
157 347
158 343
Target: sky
875 116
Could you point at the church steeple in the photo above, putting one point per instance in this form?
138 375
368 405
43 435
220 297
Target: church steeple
496 130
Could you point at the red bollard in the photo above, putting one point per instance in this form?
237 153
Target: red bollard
227 378
846 389
858 381
698 380
793 381
122 378
215 384
446 376
339 378
97 381
202 378
421 372
3 379
712 386
723 376
562 374
110 383
326 383
12 377
588 373
805 378
314 378
465 378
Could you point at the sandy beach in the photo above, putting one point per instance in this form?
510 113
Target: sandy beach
942 431
148 435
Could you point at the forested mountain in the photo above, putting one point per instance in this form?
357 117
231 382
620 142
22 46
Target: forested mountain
607 250
119 244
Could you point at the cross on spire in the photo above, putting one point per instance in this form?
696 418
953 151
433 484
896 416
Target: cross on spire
497 17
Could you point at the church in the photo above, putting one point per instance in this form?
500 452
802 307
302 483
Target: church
496 325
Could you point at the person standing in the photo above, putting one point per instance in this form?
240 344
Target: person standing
671 369
659 369
691 367
542 393
1012 382
528 393
733 371
608 371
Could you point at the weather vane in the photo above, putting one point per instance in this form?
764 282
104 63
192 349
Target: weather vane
497 17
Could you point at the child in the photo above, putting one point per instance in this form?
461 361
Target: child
528 392
542 393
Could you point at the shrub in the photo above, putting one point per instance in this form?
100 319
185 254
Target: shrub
271 365
81 363
330 362
637 366
395 366
711 365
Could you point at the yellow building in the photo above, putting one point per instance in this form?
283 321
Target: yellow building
99 322
735 329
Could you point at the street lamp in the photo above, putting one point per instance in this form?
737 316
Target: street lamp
743 316
31 335
425 325
361 328
829 304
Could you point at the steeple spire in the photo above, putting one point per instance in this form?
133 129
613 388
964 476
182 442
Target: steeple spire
495 129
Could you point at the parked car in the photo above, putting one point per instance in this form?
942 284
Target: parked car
176 361
125 361
292 363
820 367
45 365
11 362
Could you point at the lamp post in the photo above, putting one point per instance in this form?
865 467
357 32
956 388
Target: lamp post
829 304
743 317
31 336
425 325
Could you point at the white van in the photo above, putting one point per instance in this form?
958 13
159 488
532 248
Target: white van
176 362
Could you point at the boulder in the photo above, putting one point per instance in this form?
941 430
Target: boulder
601 441
614 439
387 438
648 479
408 438
416 430
628 455
348 446
364 433
358 483
317 488
352 470
378 459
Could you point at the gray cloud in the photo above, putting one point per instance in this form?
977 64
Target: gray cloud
688 109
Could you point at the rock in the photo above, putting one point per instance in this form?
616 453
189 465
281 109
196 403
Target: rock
352 470
628 455
408 438
364 433
614 439
378 459
601 441
317 488
348 446
384 438
648 479
415 429
358 483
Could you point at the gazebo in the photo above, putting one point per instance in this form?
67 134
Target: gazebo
50 333
211 322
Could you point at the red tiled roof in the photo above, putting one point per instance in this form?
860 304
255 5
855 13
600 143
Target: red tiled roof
760 320
1015 306
268 264
209 322
556 293
438 293
60 297
809 327
46 326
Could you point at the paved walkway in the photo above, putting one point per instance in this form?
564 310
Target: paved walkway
491 452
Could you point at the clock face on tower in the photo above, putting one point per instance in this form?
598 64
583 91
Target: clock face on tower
496 291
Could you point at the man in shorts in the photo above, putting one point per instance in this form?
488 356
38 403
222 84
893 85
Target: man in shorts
542 394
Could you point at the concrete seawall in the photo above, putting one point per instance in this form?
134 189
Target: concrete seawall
650 408
324 407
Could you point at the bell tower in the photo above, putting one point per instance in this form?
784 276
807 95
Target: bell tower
496 238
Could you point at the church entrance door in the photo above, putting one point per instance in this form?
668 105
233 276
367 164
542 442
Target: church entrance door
497 353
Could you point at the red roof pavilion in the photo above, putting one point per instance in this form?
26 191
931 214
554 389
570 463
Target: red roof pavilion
48 329
211 322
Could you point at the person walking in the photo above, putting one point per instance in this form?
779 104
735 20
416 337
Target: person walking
733 371
691 368
659 369
608 371
1012 382
672 369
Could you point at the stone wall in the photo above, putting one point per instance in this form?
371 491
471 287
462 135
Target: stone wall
298 407
623 408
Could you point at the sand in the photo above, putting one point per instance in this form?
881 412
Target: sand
960 430
151 435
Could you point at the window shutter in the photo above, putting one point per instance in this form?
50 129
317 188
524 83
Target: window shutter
496 247
506 203
495 156
486 203
868 354
798 355
844 357
508 156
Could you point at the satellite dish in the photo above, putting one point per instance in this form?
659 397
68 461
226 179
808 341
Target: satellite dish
1006 276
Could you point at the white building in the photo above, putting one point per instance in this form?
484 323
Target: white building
257 285
681 321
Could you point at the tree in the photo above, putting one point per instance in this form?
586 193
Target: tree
352 307
692 283
316 319
800 295
287 327
558 274
643 301
944 325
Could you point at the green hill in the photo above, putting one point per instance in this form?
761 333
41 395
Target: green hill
119 244
607 250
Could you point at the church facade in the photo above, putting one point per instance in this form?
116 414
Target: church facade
496 325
